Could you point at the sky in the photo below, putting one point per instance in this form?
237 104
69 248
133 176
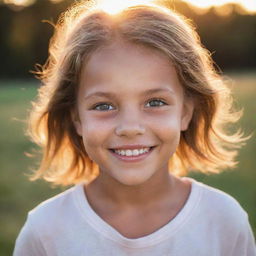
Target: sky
249 5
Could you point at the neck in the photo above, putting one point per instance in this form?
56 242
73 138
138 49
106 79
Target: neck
153 191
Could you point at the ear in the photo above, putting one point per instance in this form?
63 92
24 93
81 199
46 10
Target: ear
76 121
187 112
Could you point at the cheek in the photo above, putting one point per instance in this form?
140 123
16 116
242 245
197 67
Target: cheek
168 129
94 131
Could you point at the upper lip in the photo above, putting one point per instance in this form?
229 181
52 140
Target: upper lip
132 147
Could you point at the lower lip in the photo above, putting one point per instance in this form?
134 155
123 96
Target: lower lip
132 158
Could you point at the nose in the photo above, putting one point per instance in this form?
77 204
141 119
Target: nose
130 124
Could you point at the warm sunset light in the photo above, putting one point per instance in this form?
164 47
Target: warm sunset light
249 5
56 1
114 6
20 2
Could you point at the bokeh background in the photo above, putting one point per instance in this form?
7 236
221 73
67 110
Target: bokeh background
227 30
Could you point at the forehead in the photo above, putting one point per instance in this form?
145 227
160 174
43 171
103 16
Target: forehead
128 65
120 52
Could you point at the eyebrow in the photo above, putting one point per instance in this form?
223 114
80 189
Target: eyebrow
113 95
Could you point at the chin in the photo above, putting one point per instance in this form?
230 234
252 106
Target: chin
132 180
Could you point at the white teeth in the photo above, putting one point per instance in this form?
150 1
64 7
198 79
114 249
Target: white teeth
130 152
141 151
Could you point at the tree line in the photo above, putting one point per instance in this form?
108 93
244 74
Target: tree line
24 36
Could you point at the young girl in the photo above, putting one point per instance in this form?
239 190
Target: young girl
130 103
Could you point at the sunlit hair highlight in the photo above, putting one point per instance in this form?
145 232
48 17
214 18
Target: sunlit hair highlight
206 146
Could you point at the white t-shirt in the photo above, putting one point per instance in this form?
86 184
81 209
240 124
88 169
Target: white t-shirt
210 223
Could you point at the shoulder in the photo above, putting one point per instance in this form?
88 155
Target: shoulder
54 210
43 222
221 207
222 218
54 202
56 217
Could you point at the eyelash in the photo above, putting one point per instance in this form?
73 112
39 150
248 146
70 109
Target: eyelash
105 103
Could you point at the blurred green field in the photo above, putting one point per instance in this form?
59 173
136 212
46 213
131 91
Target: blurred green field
18 195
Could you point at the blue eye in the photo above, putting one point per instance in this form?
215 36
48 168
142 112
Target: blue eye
102 107
156 103
106 106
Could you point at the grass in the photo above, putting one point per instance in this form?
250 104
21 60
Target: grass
18 195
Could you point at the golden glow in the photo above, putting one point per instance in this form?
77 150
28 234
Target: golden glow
249 5
56 1
20 2
115 6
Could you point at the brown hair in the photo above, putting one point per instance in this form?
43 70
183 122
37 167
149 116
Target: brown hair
205 146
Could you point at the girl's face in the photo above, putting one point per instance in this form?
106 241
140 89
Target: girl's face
130 99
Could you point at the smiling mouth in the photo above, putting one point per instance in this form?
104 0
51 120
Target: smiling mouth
132 152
